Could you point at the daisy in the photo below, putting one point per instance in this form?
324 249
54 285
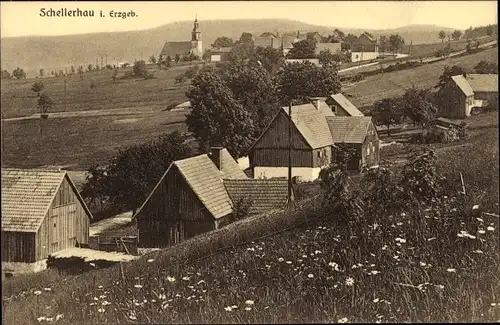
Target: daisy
281 259
349 281
151 260
248 308
38 292
170 279
249 302
490 228
343 320
138 286
310 276
186 278
376 300
101 310
451 270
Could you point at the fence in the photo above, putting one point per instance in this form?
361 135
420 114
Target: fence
124 244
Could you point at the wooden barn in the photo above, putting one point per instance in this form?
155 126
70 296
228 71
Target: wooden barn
311 145
485 88
42 213
359 133
457 98
191 198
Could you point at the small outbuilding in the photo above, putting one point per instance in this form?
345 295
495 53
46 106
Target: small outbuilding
42 213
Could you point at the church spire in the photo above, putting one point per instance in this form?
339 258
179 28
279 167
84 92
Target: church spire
196 34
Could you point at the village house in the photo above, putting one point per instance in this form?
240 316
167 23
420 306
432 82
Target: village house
366 47
457 98
42 213
317 132
184 48
192 198
360 134
311 145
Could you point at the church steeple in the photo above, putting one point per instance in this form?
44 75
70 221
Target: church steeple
196 33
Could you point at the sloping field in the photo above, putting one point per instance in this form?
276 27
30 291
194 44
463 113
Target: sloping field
391 84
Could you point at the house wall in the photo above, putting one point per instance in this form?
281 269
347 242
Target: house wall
65 224
172 214
322 157
362 56
271 150
18 247
371 148
454 104
307 174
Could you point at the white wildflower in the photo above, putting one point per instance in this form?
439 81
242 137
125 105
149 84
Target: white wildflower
281 259
186 278
138 286
41 318
432 238
37 293
170 279
251 249
349 281
288 262
334 265
423 264
234 306
478 251
490 228
47 289
101 310
249 302
132 316
151 260
248 308
317 252
480 220
310 276
200 282
343 320
376 300
481 231
384 247
59 316
451 270
375 272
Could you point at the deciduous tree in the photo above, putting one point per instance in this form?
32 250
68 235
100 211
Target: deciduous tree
45 102
19 73
388 111
485 67
418 105
223 42
326 57
442 35
304 49
139 69
396 43
448 73
37 87
456 35
270 58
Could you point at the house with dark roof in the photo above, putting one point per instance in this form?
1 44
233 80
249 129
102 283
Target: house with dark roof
192 198
457 98
219 54
183 48
341 106
311 143
358 133
42 213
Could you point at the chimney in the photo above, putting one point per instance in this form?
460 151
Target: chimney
316 102
216 155
277 34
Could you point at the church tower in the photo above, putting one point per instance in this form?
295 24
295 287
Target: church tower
196 46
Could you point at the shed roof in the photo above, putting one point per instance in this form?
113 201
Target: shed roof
264 194
205 179
463 84
483 82
349 129
173 48
311 124
343 102
27 195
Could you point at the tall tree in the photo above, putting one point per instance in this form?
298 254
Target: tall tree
270 58
448 73
383 44
326 57
253 87
396 43
489 30
304 49
418 106
19 73
45 102
349 41
37 87
223 42
299 81
218 117
442 35
388 111
139 69
456 35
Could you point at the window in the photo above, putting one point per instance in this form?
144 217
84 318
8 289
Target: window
319 154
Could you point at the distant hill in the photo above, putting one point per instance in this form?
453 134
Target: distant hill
59 52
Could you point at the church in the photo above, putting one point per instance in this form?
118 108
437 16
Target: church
184 48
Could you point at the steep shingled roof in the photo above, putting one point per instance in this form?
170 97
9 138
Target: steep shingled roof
27 195
483 82
205 179
349 129
311 124
346 105
264 194
463 84
173 48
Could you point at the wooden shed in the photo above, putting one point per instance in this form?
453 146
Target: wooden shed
42 213
359 133
457 98
311 145
189 199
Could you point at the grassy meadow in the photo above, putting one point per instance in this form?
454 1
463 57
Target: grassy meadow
430 49
391 84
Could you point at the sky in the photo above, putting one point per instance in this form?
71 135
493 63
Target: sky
23 18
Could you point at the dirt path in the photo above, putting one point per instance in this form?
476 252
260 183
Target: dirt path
112 222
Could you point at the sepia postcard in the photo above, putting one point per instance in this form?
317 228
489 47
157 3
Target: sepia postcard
237 162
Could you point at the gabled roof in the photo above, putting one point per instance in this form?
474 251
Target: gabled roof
343 102
173 48
349 129
311 124
370 38
264 194
323 106
205 179
483 82
27 195
268 34
463 84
